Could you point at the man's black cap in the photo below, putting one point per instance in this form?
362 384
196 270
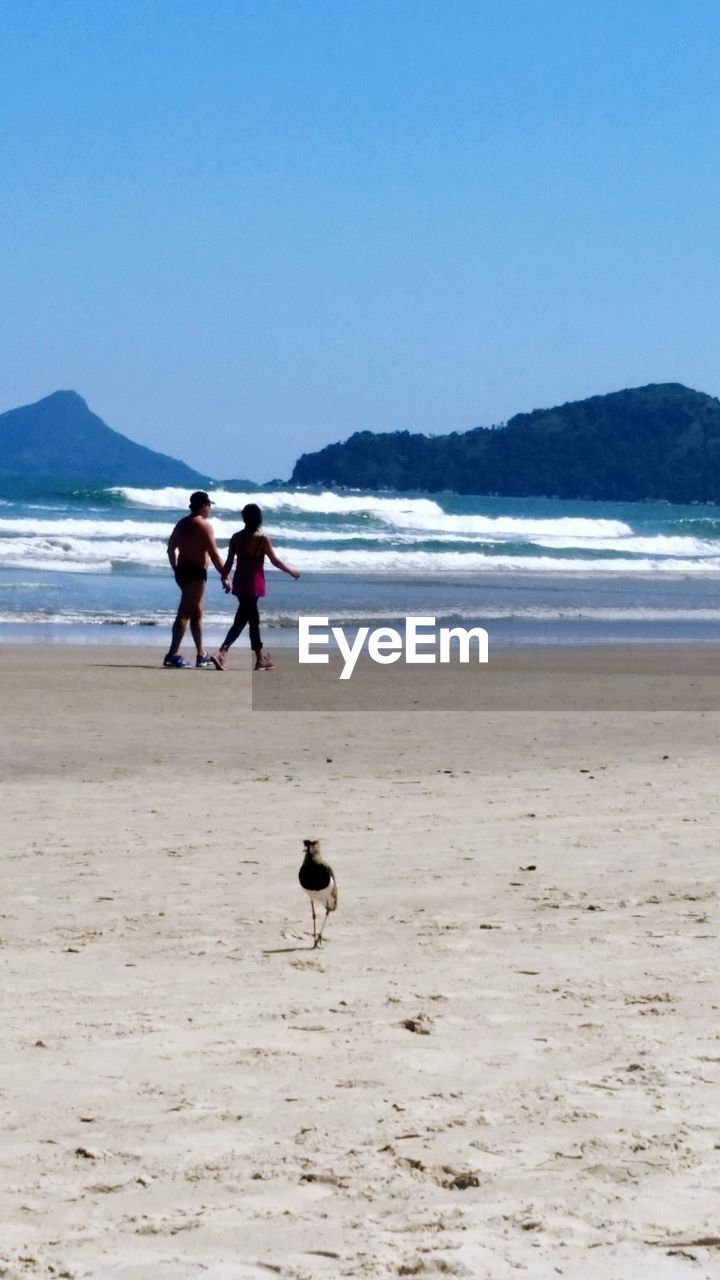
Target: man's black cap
200 499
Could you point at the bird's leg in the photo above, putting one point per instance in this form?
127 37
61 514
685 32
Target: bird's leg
322 926
312 908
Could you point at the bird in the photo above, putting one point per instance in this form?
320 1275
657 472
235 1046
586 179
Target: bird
318 881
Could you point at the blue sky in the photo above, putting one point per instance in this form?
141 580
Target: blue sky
243 230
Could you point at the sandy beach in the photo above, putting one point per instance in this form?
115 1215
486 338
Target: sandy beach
504 1060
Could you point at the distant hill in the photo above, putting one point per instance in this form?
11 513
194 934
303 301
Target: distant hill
59 439
656 442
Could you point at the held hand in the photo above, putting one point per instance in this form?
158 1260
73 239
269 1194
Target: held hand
226 586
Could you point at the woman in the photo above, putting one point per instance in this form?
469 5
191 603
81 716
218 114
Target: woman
249 547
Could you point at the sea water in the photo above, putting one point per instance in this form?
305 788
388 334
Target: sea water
91 566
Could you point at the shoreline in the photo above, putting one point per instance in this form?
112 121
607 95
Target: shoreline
504 634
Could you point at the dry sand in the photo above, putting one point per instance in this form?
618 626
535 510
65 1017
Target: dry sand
503 1062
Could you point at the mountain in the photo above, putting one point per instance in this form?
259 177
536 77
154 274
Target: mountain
59 439
657 442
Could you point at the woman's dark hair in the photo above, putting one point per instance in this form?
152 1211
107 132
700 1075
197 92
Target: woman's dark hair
252 515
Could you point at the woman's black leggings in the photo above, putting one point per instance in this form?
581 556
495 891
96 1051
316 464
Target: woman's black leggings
247 612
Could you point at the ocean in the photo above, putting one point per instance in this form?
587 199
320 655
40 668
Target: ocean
90 566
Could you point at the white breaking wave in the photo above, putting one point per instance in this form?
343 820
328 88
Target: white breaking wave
432 562
516 528
53 553
79 554
68 528
306 503
420 514
49 565
74 528
658 545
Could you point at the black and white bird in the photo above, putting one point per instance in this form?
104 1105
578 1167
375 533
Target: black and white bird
318 881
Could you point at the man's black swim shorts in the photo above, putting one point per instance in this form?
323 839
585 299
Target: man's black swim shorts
187 573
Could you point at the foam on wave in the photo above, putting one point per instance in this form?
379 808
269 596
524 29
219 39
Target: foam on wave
656 545
98 555
279 621
101 553
72 527
523 532
431 562
517 528
421 514
307 503
79 555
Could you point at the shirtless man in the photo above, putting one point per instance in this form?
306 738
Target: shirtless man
192 543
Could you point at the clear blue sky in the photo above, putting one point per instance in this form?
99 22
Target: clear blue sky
243 230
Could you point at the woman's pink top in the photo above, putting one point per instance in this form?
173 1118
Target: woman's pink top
249 577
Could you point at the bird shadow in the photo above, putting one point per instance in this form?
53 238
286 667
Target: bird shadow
280 951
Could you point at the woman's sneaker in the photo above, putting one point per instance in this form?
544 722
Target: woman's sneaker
174 660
